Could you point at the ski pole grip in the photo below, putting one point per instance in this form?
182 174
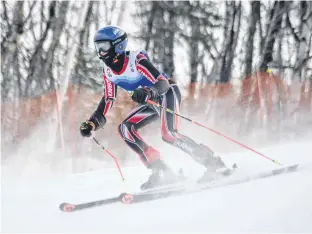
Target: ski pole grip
148 101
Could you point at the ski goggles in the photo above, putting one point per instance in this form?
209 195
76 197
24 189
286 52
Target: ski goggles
103 46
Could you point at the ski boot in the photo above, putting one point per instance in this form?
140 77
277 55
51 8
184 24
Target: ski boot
214 164
161 176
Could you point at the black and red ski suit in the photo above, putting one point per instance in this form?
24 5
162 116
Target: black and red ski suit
145 114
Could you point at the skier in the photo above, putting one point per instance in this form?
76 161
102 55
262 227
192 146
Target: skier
134 72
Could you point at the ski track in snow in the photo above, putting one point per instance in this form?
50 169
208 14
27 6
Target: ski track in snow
276 204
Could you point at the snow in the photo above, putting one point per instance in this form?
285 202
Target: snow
276 204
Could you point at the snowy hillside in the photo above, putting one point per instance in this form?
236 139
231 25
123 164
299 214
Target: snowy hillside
276 204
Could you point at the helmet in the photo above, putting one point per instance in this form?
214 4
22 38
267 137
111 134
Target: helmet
110 42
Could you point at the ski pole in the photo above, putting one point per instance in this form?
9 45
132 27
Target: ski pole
210 129
115 159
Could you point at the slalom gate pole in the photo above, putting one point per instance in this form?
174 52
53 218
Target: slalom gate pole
110 154
212 130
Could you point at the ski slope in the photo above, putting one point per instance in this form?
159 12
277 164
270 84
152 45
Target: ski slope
276 204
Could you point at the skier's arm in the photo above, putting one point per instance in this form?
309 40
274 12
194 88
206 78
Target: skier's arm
98 119
144 66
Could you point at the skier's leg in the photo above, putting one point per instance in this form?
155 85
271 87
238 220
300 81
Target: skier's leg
137 119
169 129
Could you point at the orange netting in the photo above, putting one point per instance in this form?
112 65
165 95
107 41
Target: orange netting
258 98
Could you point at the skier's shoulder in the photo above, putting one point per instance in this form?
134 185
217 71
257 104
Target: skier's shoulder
138 54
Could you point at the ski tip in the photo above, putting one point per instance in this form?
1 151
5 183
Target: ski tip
66 207
293 167
126 198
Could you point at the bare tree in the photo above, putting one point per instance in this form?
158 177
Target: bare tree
81 68
158 32
194 42
10 49
33 53
231 31
277 13
305 39
168 60
254 18
57 29
36 58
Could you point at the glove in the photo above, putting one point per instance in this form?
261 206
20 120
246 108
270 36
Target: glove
142 95
96 121
86 128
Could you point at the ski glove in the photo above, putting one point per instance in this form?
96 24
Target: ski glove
142 95
86 128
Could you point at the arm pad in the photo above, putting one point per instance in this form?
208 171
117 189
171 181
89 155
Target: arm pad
161 86
98 119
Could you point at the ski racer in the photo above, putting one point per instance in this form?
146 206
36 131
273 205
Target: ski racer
134 72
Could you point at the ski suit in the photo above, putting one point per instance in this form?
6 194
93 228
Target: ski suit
138 71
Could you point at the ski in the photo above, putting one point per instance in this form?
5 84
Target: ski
68 207
262 175
155 194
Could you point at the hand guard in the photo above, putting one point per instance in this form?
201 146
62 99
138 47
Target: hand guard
86 128
142 95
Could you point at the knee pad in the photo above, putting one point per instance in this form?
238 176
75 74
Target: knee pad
125 133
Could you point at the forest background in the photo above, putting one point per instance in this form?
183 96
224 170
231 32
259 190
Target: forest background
244 68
